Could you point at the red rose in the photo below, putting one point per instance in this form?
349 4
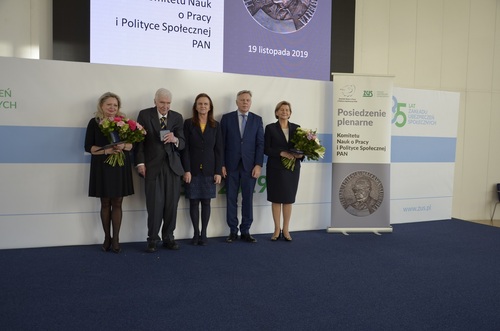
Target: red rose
132 125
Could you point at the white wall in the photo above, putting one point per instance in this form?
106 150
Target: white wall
450 45
26 28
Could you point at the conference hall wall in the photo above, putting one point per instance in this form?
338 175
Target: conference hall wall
45 106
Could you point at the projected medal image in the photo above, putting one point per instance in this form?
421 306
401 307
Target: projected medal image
361 193
282 16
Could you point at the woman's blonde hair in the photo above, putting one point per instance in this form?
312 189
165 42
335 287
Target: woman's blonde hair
100 113
278 106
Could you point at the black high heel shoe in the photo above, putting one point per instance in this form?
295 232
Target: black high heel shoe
287 238
115 247
195 240
106 246
274 238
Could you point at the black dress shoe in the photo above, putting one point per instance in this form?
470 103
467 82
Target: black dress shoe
202 242
151 247
248 238
171 245
232 237
195 241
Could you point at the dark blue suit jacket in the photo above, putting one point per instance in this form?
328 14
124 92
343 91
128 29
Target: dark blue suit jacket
248 149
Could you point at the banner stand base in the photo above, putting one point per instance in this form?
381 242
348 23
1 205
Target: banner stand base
346 231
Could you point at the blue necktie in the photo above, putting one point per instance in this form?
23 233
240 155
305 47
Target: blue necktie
243 123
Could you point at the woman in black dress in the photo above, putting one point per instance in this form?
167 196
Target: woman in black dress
282 183
109 183
202 162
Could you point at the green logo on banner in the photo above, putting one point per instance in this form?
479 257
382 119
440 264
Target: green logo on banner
399 118
5 100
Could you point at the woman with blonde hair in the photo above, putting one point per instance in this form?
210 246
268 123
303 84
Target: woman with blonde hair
107 182
282 183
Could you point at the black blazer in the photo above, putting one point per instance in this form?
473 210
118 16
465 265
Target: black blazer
152 151
275 142
202 149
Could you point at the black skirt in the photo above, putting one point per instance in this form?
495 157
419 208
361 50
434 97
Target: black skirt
282 184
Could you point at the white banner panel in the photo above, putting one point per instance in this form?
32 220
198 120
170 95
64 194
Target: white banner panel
45 107
424 129
362 116
362 153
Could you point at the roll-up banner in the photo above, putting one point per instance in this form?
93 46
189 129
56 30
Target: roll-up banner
362 153
424 138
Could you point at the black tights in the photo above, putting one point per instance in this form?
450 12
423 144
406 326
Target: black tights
194 212
111 212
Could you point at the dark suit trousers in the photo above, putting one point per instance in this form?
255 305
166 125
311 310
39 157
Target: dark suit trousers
234 181
162 197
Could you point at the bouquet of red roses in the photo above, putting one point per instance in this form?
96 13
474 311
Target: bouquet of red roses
127 130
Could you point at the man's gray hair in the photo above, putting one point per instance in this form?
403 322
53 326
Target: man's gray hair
163 92
244 92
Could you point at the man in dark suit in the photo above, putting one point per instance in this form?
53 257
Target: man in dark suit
157 160
243 136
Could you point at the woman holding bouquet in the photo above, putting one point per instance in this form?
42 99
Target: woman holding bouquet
108 182
282 182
